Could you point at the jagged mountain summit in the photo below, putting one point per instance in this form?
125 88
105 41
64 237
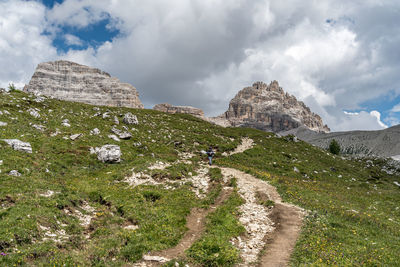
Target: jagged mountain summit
269 108
66 80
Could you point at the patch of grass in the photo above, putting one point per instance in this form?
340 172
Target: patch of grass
214 248
215 175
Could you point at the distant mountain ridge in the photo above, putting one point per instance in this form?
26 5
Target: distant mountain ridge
383 143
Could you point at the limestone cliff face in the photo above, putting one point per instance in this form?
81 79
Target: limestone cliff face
70 81
179 109
269 108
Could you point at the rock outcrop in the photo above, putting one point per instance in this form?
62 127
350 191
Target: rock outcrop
269 108
18 145
168 108
107 153
70 81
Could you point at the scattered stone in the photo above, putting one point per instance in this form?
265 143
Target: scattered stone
1 162
19 145
396 183
116 121
106 115
55 133
131 227
2 124
66 123
109 153
48 193
34 113
121 135
129 118
14 173
295 169
95 131
39 127
125 135
155 258
75 136
114 137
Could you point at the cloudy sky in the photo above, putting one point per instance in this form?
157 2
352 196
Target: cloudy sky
342 58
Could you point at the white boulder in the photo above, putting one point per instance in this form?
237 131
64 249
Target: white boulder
108 153
19 145
129 118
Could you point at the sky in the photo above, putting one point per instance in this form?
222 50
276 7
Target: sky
341 58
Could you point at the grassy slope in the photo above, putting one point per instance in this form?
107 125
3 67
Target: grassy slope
352 222
354 210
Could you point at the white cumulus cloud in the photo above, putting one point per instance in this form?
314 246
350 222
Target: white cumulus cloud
333 55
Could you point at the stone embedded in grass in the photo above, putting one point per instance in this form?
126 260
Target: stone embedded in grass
75 136
155 258
114 137
14 173
66 123
39 127
129 118
108 153
122 135
3 123
34 113
116 121
95 131
125 135
19 145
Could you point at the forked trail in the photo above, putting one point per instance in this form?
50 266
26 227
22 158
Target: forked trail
271 234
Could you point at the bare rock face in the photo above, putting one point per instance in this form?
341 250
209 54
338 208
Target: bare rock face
70 81
269 108
179 109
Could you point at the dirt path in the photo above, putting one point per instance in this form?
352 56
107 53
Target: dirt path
283 225
195 223
247 143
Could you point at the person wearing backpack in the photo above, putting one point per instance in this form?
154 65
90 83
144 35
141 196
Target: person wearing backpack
210 154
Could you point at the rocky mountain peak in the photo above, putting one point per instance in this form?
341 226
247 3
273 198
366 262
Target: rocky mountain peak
66 80
269 108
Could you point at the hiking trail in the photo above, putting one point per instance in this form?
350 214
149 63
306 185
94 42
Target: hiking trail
271 233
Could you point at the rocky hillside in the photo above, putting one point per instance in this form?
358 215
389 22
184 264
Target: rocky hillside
269 108
382 143
67 80
165 107
84 185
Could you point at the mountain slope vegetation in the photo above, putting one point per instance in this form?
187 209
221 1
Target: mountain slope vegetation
67 208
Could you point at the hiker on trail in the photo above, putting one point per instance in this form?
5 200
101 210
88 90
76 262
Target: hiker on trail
210 154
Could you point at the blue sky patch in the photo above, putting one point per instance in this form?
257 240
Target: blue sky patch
384 105
51 3
94 35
